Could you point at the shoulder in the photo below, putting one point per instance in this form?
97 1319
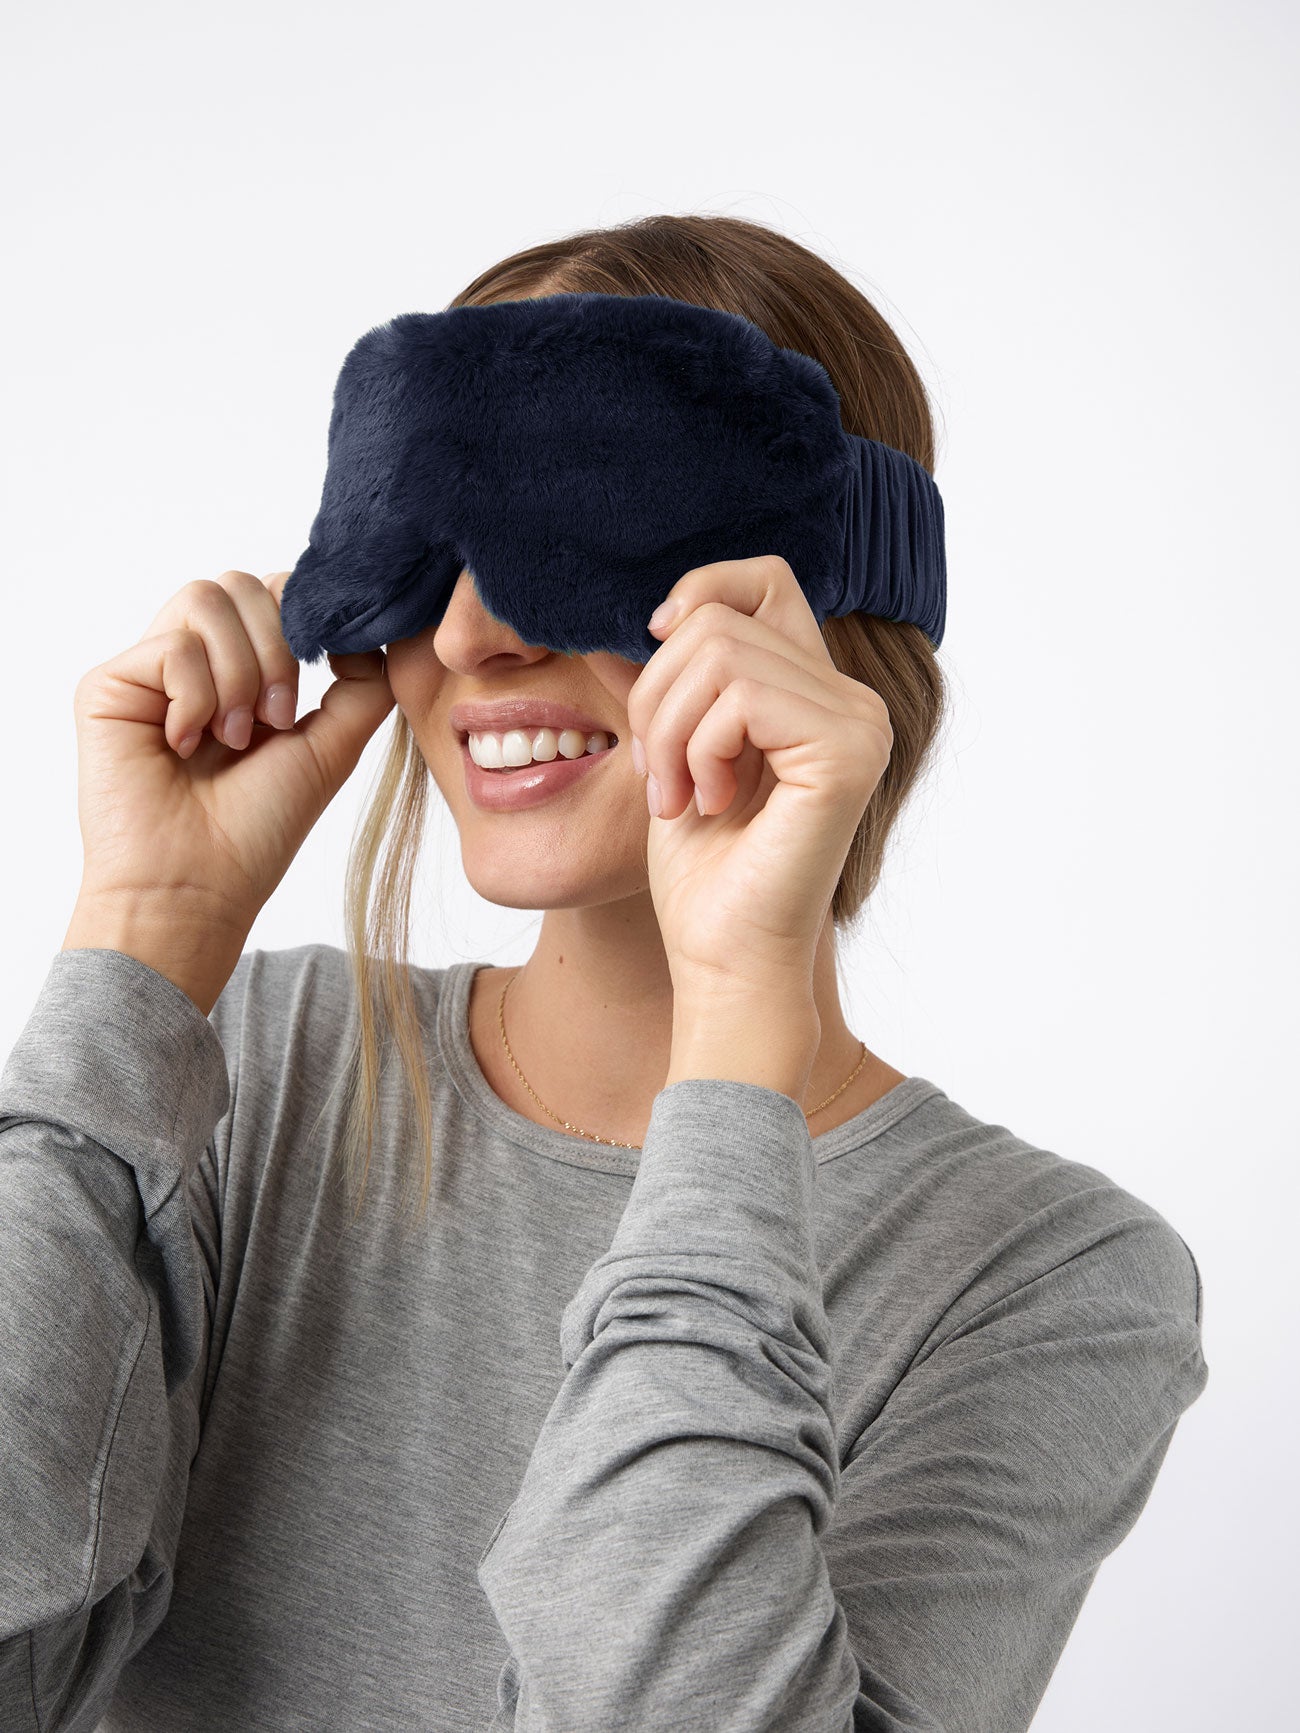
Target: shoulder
288 1022
991 1212
306 989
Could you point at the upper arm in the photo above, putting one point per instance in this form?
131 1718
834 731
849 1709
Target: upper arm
1016 1452
110 1239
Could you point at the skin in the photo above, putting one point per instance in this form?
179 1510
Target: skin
599 971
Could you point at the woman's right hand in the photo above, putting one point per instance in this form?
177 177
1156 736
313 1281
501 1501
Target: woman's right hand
180 809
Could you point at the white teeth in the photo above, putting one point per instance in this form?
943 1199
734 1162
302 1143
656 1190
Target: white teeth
519 746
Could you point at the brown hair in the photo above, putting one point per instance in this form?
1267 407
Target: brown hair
801 302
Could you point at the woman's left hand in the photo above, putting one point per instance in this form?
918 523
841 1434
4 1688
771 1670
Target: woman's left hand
743 704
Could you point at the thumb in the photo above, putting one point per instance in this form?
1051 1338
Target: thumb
350 712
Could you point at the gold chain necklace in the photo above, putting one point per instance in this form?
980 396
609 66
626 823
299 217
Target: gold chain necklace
613 1141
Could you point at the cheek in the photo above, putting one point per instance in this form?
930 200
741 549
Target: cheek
615 673
415 679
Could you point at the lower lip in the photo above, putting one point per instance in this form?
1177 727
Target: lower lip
512 790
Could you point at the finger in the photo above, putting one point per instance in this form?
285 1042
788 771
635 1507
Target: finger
239 621
758 597
357 664
164 680
719 662
709 622
275 582
213 609
350 712
764 586
266 683
277 703
800 735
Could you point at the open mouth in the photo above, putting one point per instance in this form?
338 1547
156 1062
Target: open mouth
536 763
515 787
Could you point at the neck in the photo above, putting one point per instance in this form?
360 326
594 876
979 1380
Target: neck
597 985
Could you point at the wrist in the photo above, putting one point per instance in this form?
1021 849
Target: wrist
196 955
768 1036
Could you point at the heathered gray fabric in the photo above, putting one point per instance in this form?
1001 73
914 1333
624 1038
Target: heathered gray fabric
756 1430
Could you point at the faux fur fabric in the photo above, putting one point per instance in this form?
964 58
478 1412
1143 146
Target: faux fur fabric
578 453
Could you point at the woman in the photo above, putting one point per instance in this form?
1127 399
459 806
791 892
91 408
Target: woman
853 1392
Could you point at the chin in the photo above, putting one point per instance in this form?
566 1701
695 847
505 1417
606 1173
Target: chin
575 866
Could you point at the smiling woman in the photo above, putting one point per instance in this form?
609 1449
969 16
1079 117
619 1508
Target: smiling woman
737 1377
801 303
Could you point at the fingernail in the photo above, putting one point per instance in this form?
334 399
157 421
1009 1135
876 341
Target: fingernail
662 614
237 729
654 799
279 706
638 756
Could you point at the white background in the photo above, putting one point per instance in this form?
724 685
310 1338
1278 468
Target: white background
1081 223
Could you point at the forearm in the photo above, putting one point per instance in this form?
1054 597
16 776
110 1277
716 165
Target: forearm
667 1530
767 1036
197 955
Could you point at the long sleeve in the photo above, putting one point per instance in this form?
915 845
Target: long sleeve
109 1250
690 1546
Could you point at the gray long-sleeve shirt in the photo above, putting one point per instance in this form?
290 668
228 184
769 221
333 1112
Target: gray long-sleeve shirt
753 1430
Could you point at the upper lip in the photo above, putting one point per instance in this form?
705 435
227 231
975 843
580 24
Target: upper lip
520 712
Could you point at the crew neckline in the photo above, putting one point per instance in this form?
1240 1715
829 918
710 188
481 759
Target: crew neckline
461 1061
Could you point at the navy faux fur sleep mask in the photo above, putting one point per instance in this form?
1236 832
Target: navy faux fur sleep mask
578 453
